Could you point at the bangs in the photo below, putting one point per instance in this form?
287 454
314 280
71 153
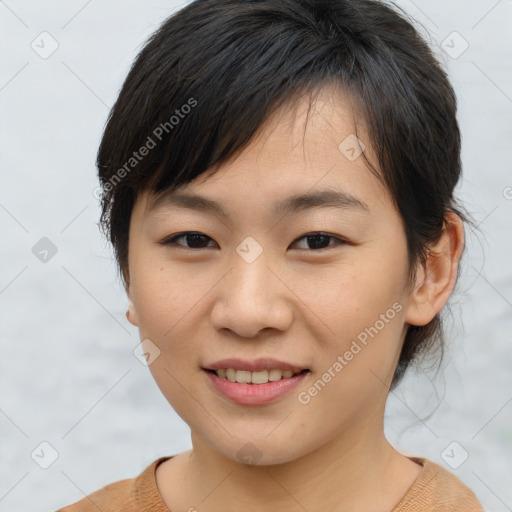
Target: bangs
214 90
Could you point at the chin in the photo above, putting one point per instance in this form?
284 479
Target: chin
260 452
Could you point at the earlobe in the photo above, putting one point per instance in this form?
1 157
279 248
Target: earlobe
436 277
131 313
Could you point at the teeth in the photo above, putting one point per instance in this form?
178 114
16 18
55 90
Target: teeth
243 376
275 375
259 377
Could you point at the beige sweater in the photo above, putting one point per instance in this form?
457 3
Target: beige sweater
435 490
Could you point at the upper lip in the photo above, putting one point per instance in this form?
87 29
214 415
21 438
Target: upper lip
265 363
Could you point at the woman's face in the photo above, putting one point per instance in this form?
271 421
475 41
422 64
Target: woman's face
261 282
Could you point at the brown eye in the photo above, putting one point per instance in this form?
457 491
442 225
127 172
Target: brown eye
319 241
193 239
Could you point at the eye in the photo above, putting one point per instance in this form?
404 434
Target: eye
319 241
197 240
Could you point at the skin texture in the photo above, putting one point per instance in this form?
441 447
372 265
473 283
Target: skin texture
295 303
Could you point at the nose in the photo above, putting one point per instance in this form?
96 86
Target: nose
251 298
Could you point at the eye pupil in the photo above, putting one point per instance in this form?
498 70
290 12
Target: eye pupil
195 237
315 238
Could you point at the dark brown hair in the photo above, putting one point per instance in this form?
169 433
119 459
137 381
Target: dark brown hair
214 71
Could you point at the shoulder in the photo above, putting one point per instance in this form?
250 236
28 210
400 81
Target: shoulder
130 495
437 490
112 497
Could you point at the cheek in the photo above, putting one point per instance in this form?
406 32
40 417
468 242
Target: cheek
165 301
158 307
357 361
163 294
172 303
353 295
362 305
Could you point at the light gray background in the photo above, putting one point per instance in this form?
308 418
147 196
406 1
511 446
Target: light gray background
68 374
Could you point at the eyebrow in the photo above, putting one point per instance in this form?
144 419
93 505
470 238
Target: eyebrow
293 204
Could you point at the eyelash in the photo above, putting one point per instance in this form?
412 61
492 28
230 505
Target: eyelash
172 240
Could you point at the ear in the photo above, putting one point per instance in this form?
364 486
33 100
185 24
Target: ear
436 278
131 313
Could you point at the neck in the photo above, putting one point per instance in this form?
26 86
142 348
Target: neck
358 469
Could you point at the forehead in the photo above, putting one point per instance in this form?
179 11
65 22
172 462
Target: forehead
304 154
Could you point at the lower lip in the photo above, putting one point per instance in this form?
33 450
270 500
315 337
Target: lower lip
254 394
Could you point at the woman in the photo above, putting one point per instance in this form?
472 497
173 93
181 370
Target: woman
278 185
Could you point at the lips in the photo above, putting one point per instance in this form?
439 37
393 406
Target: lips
255 365
257 382
254 394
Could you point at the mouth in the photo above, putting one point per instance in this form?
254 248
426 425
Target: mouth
256 377
254 388
258 381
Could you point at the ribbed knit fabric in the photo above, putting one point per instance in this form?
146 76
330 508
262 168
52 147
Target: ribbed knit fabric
435 490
